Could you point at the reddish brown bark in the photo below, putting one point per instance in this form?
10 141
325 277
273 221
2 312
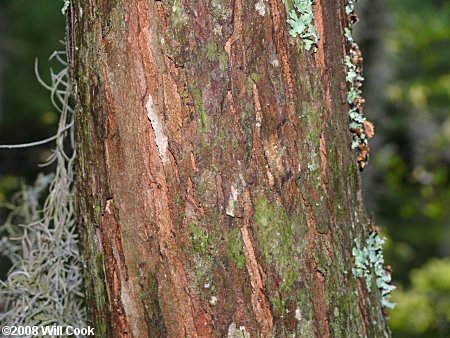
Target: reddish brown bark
217 189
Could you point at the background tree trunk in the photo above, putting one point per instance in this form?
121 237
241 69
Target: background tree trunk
218 194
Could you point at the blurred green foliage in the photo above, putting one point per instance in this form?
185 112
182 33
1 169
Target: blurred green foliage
29 30
423 310
410 186
414 159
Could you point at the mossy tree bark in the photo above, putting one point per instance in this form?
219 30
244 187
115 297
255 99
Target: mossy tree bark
218 194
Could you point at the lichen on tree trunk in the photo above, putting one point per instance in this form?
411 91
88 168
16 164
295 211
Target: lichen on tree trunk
218 194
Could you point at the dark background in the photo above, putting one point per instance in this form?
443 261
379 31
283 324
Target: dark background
406 46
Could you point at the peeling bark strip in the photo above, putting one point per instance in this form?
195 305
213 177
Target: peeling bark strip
217 193
158 129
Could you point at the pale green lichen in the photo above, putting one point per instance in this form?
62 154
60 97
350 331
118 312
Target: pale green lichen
232 202
65 6
220 10
260 7
301 20
355 79
176 7
350 6
368 260
213 301
234 332
348 34
361 129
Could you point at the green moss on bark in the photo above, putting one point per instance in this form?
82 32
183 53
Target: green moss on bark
276 240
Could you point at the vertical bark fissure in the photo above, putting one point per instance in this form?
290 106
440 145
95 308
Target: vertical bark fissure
112 247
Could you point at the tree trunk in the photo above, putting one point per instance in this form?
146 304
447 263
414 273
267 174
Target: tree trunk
218 194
